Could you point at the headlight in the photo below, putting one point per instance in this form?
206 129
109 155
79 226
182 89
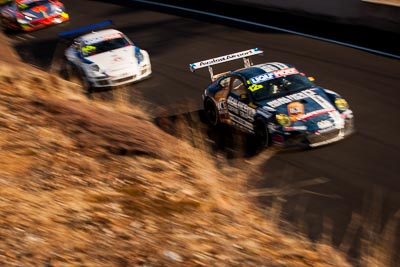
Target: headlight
341 104
283 119
138 55
94 67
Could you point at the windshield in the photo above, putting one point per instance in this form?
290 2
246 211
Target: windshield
104 46
29 5
282 85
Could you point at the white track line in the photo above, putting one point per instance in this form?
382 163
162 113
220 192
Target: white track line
270 27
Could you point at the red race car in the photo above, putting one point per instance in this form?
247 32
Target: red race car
29 15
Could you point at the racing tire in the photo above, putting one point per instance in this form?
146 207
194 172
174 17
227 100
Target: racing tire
86 85
262 135
211 112
73 74
70 72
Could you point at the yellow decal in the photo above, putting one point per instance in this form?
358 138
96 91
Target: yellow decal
255 87
283 119
64 15
341 104
89 48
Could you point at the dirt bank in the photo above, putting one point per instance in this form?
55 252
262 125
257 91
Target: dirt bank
92 183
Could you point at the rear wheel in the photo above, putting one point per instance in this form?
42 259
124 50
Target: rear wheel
211 112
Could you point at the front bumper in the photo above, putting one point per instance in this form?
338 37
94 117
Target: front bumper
316 139
120 80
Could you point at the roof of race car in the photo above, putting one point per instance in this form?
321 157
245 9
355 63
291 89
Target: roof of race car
97 36
259 69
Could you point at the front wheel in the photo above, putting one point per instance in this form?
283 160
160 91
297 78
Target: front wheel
86 84
211 112
261 133
76 75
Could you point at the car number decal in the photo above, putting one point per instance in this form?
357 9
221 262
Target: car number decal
255 87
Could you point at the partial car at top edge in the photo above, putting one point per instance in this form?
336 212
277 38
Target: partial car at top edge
29 15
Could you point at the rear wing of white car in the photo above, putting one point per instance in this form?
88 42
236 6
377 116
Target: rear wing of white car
86 29
218 60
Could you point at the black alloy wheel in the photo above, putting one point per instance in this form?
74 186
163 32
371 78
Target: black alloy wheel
211 112
261 133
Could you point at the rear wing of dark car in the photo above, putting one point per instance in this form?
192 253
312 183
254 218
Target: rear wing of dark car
245 55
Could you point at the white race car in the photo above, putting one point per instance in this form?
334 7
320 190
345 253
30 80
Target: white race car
106 58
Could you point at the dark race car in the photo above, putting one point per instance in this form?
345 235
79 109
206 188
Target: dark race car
275 102
29 15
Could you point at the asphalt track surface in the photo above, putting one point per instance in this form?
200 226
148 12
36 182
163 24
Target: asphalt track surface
360 175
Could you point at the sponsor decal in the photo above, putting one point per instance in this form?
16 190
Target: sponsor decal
221 105
241 109
272 75
217 60
285 72
262 78
295 109
290 98
314 114
226 58
242 124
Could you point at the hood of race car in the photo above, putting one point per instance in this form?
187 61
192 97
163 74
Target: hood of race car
309 110
116 60
42 11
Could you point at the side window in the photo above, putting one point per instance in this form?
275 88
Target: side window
76 45
224 83
223 93
237 87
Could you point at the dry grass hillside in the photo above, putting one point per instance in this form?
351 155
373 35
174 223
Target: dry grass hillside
89 183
